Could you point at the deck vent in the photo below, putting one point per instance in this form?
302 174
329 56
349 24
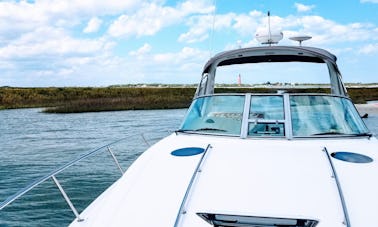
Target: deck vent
225 220
351 157
187 151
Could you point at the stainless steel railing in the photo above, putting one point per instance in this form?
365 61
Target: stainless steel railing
52 175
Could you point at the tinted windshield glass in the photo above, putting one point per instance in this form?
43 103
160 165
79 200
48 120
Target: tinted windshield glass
266 116
215 114
309 115
313 115
266 107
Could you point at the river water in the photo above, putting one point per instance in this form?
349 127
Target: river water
33 143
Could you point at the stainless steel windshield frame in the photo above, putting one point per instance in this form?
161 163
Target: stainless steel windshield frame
286 121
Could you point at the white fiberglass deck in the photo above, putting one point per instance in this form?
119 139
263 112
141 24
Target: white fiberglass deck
250 177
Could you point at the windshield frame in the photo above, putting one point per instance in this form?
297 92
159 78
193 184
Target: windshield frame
285 124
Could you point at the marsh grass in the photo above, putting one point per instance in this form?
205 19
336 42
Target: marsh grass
87 99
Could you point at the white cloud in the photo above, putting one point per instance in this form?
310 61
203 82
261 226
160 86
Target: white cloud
247 23
146 48
326 33
49 41
47 54
147 21
151 18
371 1
201 26
303 8
22 16
93 25
196 6
329 32
183 66
186 54
369 49
141 52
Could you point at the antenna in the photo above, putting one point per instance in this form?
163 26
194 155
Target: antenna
269 38
300 39
213 27
270 33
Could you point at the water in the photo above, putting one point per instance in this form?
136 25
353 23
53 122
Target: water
34 143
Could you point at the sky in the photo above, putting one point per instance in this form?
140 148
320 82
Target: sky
58 43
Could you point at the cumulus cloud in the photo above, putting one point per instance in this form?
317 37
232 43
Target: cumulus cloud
303 8
147 21
48 53
49 41
200 27
93 25
242 24
370 1
325 32
152 17
50 12
141 52
186 54
184 65
369 49
37 38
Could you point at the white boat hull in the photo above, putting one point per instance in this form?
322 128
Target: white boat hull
249 177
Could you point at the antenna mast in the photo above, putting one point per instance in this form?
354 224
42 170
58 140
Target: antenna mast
213 28
270 32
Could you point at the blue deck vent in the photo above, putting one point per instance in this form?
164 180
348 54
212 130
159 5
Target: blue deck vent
351 157
188 151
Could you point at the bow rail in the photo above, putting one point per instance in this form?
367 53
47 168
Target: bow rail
52 175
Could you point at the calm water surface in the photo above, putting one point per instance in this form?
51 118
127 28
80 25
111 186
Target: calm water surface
33 143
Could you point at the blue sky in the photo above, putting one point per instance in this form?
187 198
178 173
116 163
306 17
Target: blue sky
100 43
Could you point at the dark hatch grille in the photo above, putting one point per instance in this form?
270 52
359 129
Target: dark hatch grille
225 220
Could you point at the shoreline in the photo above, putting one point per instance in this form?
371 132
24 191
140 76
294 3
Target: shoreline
78 100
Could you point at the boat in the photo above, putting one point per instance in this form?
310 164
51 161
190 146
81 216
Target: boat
253 159
282 158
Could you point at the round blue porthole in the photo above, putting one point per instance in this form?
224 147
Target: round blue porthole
187 151
351 157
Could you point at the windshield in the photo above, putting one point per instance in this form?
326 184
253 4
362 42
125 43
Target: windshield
215 114
266 116
322 115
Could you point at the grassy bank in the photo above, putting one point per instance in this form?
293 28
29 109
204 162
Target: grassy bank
73 100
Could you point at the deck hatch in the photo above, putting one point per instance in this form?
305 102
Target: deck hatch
225 220
351 157
187 151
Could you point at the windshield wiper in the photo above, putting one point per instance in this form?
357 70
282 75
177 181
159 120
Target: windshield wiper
210 129
184 130
340 133
328 133
364 134
201 129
